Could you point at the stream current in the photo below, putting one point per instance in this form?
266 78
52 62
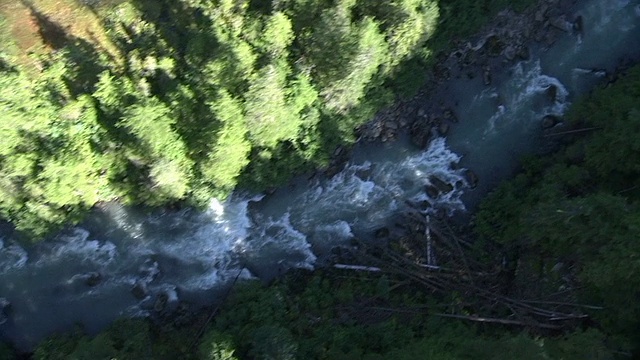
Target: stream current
86 274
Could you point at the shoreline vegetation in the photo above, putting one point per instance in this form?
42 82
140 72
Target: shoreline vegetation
559 238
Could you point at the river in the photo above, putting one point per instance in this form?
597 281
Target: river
86 274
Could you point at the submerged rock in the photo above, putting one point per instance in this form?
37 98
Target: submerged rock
578 24
93 278
5 307
486 76
441 185
140 290
549 121
472 178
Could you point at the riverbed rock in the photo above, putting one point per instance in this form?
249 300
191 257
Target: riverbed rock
523 52
578 24
140 290
5 308
450 115
486 76
472 178
443 128
93 278
494 45
432 191
441 185
561 23
161 302
421 134
552 93
510 53
549 121
382 232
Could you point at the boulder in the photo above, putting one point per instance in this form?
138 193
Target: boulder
420 134
494 45
161 302
432 191
472 178
561 23
523 52
5 308
441 185
93 278
382 233
486 76
443 128
449 115
510 53
140 290
549 121
552 93
578 24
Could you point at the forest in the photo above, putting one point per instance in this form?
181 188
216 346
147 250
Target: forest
170 103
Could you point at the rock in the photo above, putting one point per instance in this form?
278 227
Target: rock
449 115
420 134
140 290
93 278
421 113
441 185
161 302
382 233
443 128
549 121
578 25
332 170
510 53
494 45
561 23
523 52
539 17
5 308
432 191
391 125
552 93
472 178
486 76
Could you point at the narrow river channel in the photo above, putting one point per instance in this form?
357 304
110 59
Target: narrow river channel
120 260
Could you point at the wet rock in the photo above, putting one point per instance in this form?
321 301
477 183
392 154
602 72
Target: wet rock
332 170
523 53
421 113
382 233
472 178
494 45
578 24
432 191
549 121
391 125
140 290
449 115
486 76
441 185
561 23
420 134
93 278
443 129
5 309
510 53
552 93
166 301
